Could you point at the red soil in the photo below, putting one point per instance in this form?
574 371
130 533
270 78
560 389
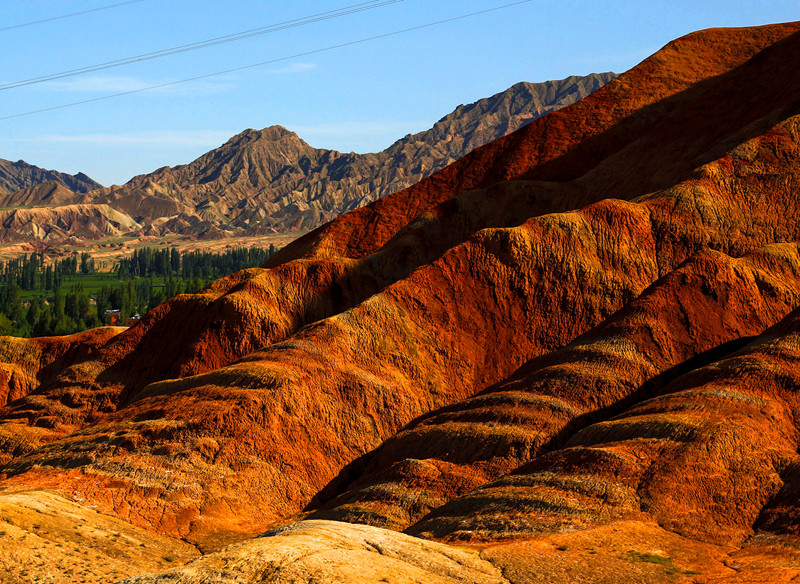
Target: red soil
452 356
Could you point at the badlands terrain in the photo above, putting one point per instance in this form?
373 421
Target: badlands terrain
260 184
572 355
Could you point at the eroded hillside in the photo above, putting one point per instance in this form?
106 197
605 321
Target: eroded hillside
573 351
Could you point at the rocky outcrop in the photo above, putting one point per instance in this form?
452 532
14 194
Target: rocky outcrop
327 551
622 552
47 538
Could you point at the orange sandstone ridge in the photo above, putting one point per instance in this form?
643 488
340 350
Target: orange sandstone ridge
573 351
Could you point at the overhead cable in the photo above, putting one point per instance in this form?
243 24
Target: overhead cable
322 16
70 15
269 62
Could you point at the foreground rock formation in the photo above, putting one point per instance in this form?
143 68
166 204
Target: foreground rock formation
321 551
626 551
569 356
268 181
47 538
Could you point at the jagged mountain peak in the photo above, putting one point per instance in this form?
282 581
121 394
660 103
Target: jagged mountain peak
271 180
269 134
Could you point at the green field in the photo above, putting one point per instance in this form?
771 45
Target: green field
91 284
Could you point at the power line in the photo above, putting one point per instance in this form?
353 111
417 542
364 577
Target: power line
270 62
319 17
70 15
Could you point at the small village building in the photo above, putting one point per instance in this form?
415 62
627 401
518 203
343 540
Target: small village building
113 316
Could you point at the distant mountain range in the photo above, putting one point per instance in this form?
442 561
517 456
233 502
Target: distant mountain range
270 180
15 176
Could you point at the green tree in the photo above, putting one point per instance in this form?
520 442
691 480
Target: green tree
87 263
6 326
64 326
34 310
42 327
13 307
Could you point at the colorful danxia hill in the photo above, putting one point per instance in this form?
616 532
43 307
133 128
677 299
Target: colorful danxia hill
571 356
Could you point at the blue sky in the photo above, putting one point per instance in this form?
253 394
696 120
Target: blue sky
357 98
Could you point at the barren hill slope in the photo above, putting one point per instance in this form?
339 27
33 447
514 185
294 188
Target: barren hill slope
733 420
59 223
46 194
630 356
578 337
47 538
271 180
